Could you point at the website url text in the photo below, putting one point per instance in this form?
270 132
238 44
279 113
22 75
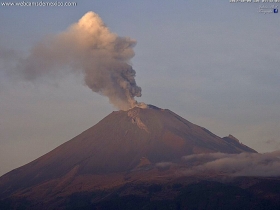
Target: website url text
38 4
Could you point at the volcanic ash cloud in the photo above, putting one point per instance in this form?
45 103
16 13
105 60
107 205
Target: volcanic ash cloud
89 47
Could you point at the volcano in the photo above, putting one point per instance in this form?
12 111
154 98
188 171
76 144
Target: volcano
124 146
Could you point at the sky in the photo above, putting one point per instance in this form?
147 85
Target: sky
215 63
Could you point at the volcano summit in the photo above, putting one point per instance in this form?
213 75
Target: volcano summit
124 147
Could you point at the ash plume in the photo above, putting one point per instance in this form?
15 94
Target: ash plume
89 47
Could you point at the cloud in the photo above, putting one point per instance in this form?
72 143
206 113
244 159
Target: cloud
164 165
7 58
243 164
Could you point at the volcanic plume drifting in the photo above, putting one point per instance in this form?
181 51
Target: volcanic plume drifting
89 47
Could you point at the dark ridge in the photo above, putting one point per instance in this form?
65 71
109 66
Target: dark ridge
153 107
235 142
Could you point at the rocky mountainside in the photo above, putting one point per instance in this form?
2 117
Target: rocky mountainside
124 142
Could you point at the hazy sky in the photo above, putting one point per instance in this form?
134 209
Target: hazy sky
214 63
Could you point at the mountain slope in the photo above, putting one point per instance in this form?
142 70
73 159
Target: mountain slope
116 144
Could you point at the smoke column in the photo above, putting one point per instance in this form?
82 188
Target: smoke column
89 47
